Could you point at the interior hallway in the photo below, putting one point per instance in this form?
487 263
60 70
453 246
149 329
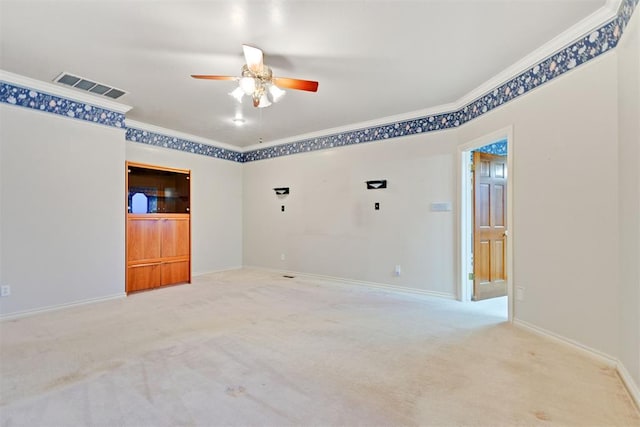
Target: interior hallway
249 347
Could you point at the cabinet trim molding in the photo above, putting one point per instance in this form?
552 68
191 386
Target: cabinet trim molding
158 168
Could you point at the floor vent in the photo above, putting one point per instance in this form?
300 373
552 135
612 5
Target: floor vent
289 277
89 86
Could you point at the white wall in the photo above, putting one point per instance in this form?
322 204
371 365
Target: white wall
330 226
628 52
61 216
565 207
216 204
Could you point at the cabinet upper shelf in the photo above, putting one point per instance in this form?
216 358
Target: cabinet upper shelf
152 190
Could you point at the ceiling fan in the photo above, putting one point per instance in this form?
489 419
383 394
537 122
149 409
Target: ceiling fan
257 80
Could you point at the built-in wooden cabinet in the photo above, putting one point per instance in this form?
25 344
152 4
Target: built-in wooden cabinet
158 227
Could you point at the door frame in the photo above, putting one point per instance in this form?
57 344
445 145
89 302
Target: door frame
465 229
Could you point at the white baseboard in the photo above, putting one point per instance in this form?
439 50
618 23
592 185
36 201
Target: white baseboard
612 362
629 383
222 270
586 350
342 280
25 313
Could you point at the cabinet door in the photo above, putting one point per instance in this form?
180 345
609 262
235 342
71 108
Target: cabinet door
144 276
175 237
143 238
175 272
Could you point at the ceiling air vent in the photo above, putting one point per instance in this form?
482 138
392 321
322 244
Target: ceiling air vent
89 85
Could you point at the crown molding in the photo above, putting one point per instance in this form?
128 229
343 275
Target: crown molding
181 135
412 115
63 92
165 138
441 117
595 20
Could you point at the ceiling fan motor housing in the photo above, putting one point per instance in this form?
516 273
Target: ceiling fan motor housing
256 82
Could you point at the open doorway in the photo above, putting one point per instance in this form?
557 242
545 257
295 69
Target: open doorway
486 243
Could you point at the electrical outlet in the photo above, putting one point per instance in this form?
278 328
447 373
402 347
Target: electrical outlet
5 291
519 293
282 257
397 270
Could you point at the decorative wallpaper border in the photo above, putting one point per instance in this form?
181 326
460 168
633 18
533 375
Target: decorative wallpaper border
359 136
41 101
589 47
166 141
581 51
498 148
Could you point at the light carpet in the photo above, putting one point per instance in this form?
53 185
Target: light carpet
249 347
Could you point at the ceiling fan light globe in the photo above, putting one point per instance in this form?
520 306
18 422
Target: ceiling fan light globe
248 85
237 93
276 93
264 101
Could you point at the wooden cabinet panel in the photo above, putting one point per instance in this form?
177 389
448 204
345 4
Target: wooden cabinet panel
143 239
142 277
175 237
162 241
175 272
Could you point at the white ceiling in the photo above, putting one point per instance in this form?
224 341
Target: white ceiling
373 59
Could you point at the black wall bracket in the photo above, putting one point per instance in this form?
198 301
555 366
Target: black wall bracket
281 191
376 184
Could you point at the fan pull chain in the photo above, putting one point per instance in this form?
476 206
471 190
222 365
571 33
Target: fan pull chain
260 125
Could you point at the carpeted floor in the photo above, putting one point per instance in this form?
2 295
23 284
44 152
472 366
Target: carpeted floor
253 348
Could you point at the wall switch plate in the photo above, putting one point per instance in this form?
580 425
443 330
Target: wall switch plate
397 270
376 206
441 207
5 291
282 257
519 293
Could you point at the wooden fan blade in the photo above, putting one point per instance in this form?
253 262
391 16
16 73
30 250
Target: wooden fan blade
254 58
284 82
207 77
